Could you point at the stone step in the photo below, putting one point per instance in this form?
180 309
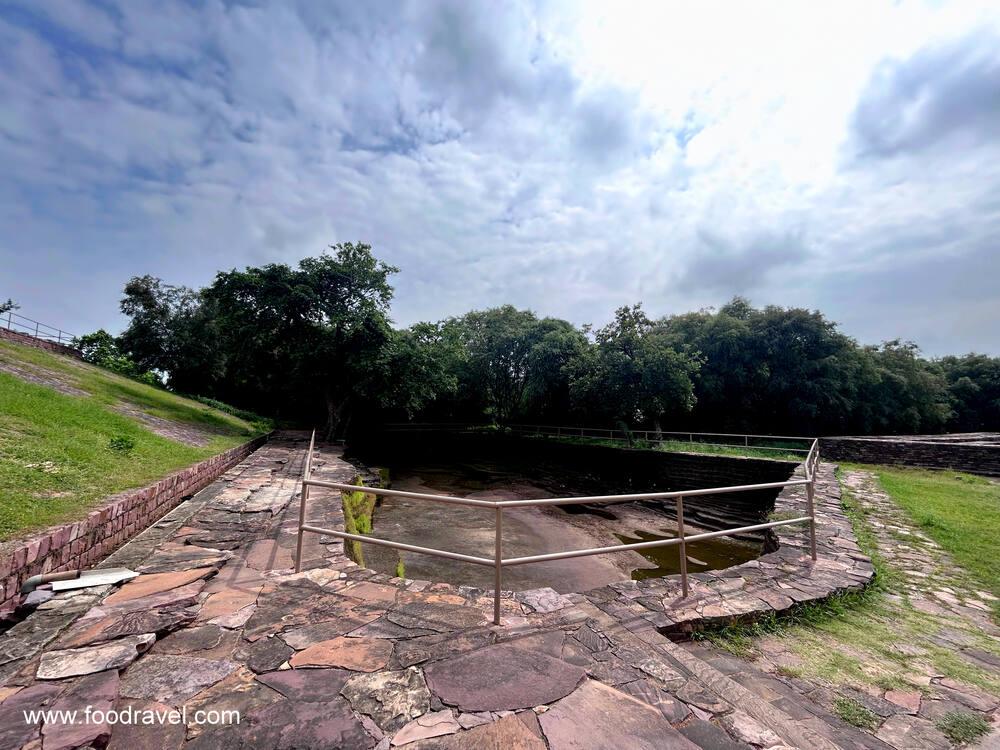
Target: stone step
754 708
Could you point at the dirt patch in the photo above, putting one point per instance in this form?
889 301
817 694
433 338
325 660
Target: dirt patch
182 433
42 376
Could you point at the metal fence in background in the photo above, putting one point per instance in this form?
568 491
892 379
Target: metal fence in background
498 562
775 443
14 322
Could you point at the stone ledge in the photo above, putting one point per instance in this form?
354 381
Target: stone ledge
774 582
28 340
82 544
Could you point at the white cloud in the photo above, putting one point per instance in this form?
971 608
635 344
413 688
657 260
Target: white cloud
564 157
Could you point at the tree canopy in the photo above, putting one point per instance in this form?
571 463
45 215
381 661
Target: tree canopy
314 344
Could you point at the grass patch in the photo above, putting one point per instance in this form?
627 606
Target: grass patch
855 714
359 508
60 454
727 450
960 512
852 639
963 727
682 446
110 389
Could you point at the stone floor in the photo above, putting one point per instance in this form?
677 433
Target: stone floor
341 657
930 605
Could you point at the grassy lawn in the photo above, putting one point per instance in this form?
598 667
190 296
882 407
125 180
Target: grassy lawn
61 454
877 638
684 446
728 450
961 512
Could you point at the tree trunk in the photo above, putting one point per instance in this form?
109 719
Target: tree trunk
657 429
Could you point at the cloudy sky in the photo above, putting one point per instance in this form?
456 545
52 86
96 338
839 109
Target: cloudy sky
566 157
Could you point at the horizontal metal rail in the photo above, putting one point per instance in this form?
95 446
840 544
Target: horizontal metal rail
572 500
38 330
687 539
662 432
400 545
498 562
343 487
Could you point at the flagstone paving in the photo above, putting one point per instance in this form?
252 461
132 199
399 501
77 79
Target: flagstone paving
339 656
932 620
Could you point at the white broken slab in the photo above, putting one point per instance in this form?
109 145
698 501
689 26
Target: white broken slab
72 662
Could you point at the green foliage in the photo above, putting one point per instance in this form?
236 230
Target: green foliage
963 727
100 348
961 512
359 510
315 340
8 306
634 373
122 444
855 714
974 388
56 455
400 571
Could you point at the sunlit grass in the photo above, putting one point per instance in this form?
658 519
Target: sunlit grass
60 454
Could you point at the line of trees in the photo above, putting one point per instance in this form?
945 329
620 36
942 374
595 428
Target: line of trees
316 339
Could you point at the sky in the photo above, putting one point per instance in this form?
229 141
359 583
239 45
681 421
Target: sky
566 157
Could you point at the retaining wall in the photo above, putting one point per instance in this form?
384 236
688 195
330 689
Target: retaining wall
975 458
28 340
83 543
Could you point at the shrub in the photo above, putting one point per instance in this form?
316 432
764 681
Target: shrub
121 444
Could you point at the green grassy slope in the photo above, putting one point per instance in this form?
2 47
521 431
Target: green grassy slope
60 454
961 512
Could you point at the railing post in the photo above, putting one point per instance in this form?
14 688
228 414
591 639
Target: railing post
497 565
303 499
811 505
746 440
682 546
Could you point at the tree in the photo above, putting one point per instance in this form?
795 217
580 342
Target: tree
634 373
974 389
8 306
499 343
295 337
903 393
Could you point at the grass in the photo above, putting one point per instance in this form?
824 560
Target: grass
61 454
960 512
855 714
359 508
963 727
683 446
850 639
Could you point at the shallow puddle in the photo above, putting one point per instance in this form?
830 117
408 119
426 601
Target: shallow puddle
709 554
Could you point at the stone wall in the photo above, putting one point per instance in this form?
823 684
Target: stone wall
975 458
28 340
84 543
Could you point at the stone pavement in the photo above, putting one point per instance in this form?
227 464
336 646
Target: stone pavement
342 657
935 607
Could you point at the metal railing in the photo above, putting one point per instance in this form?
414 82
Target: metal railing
21 324
717 439
498 562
